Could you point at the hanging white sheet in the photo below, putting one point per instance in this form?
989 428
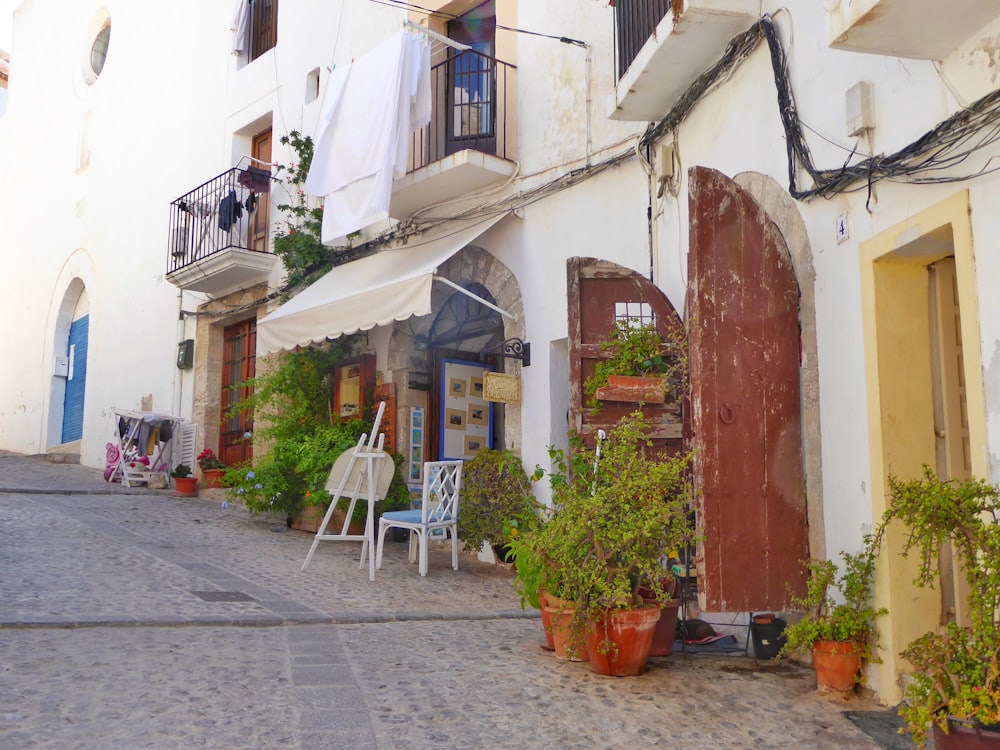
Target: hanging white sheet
369 110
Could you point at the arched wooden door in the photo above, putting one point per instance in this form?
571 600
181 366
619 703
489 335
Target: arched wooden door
743 307
599 293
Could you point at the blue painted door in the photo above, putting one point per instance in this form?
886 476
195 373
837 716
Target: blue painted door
76 381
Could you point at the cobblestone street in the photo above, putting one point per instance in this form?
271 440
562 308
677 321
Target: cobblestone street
137 619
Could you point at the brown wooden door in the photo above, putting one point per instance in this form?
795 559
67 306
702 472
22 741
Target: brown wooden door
260 225
599 292
238 366
745 401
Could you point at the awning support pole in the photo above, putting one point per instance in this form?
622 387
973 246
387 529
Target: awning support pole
476 297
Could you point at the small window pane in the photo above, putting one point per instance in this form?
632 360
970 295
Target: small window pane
99 52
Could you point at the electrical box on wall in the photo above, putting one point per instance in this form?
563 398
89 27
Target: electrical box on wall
61 367
185 354
860 109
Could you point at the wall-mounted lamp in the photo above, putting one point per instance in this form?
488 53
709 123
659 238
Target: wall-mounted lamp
513 349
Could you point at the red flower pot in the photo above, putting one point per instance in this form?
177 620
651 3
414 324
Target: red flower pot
213 477
186 486
626 635
560 620
836 664
965 737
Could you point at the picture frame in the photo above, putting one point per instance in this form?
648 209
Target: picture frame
456 388
454 419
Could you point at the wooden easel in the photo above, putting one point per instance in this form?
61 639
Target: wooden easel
362 468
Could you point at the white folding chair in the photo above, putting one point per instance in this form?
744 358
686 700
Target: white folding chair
438 510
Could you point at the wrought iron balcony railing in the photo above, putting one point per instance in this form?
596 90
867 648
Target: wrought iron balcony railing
472 106
635 21
228 211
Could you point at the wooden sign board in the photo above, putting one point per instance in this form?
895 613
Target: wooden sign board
501 388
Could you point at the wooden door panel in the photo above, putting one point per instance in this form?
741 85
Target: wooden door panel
745 401
238 366
594 288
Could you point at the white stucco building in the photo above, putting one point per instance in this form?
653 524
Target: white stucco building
843 326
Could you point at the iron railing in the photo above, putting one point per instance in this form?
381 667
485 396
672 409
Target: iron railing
473 97
635 22
230 210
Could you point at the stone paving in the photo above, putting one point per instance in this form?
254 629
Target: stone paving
107 640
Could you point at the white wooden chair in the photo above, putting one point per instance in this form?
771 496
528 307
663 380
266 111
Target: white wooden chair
438 511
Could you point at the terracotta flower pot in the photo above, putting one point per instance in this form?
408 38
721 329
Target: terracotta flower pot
962 737
649 389
546 623
836 664
560 620
213 477
186 486
630 631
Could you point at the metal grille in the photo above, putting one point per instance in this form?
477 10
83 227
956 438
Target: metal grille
635 21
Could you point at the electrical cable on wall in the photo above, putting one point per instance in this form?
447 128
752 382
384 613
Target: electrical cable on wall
945 146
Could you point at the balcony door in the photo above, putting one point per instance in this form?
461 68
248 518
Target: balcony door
472 87
260 224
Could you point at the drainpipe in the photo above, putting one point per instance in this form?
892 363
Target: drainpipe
177 382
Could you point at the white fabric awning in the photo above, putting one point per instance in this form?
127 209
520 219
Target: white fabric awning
374 291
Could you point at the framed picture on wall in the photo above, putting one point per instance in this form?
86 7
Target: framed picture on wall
416 457
456 387
466 418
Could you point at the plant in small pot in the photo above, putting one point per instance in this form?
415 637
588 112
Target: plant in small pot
211 467
615 519
494 489
642 367
838 626
184 483
955 687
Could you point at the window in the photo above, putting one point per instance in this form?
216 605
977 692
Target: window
263 26
99 50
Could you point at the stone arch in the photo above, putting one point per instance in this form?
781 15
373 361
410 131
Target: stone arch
470 265
783 211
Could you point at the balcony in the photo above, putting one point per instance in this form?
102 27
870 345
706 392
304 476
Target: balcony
664 45
218 236
469 144
921 29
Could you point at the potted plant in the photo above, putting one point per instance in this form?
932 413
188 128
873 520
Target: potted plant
838 630
955 687
185 484
212 468
616 515
641 367
494 489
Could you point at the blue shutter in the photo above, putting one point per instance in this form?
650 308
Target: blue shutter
77 382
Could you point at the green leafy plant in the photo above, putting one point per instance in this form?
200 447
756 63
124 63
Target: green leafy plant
615 517
298 243
180 471
494 488
838 604
956 672
299 436
639 350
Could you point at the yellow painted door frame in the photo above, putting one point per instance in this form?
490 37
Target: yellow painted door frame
899 325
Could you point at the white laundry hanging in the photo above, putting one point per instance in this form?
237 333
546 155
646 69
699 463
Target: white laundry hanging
241 22
369 109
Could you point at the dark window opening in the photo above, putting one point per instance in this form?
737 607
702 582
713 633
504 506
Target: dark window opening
263 26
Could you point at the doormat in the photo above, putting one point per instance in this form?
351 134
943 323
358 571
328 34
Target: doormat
713 644
883 727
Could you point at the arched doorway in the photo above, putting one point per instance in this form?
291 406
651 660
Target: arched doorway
70 346
462 341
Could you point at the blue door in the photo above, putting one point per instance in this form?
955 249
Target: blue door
76 381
